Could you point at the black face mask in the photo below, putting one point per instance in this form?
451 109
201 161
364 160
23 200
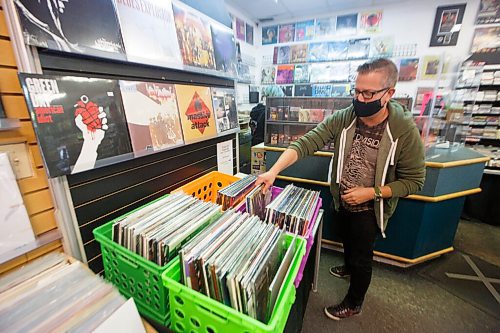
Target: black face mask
362 109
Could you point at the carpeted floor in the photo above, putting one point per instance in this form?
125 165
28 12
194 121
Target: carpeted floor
405 300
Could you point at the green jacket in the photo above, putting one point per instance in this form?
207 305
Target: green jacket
400 160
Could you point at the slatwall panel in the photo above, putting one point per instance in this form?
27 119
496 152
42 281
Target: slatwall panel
103 194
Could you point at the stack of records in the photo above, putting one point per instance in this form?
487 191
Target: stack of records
257 201
157 231
293 209
51 294
239 261
232 195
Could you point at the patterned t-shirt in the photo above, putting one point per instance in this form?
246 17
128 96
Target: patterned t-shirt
359 170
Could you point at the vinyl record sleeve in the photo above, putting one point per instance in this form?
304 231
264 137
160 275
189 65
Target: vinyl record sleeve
79 121
85 27
224 105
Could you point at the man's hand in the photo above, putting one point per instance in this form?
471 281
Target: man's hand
358 195
267 178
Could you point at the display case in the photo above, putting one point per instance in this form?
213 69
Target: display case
289 118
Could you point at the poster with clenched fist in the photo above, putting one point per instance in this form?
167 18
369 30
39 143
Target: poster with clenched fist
79 121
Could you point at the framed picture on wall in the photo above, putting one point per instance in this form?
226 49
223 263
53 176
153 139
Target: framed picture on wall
447 24
371 21
270 35
489 12
240 29
249 34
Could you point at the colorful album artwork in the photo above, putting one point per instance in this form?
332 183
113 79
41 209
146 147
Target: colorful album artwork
486 40
430 68
347 24
408 69
86 27
318 52
371 22
152 43
341 90
79 122
301 74
270 35
224 103
303 90
224 49
322 90
298 53
287 90
338 50
240 29
194 37
249 34
304 30
489 12
325 28
284 74
286 33
358 48
382 47
268 75
152 115
284 55
196 112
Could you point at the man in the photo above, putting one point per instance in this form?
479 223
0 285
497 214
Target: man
378 158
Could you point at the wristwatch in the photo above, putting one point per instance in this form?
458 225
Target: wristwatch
378 193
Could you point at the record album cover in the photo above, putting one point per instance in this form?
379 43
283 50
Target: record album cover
287 90
224 49
86 27
322 90
298 53
318 52
286 33
152 42
347 24
325 28
447 23
320 73
486 40
304 30
370 22
275 54
152 115
80 122
268 75
284 74
224 103
240 29
284 55
430 68
489 12
301 74
358 48
196 112
339 71
249 34
270 35
382 47
337 50
194 37
408 69
341 90
303 90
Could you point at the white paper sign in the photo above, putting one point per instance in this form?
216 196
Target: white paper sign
225 157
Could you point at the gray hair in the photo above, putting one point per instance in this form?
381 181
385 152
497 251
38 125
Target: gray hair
381 65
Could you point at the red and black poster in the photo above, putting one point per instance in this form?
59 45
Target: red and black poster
79 121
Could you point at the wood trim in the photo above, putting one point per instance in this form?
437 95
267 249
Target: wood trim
3 25
302 180
443 197
9 81
6 54
15 107
318 153
457 163
398 258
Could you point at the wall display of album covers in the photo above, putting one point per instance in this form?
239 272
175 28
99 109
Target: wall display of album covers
358 48
196 112
224 104
287 90
489 12
408 69
485 40
303 90
382 46
284 54
84 27
270 35
338 50
430 68
447 25
194 37
240 29
79 122
304 30
298 53
268 75
318 52
301 74
347 24
322 90
152 42
152 115
284 74
224 49
249 34
325 28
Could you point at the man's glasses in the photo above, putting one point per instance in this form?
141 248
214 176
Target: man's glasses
367 94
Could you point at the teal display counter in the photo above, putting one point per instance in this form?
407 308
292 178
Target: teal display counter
423 225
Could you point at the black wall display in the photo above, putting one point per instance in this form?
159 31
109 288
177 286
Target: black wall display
79 121
86 27
447 25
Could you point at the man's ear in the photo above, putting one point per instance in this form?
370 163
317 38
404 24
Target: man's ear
391 92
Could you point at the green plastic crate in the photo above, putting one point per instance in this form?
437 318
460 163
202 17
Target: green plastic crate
134 275
192 311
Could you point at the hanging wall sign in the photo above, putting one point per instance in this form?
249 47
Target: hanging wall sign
447 24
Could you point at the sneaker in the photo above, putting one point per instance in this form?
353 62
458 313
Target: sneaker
342 311
340 271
